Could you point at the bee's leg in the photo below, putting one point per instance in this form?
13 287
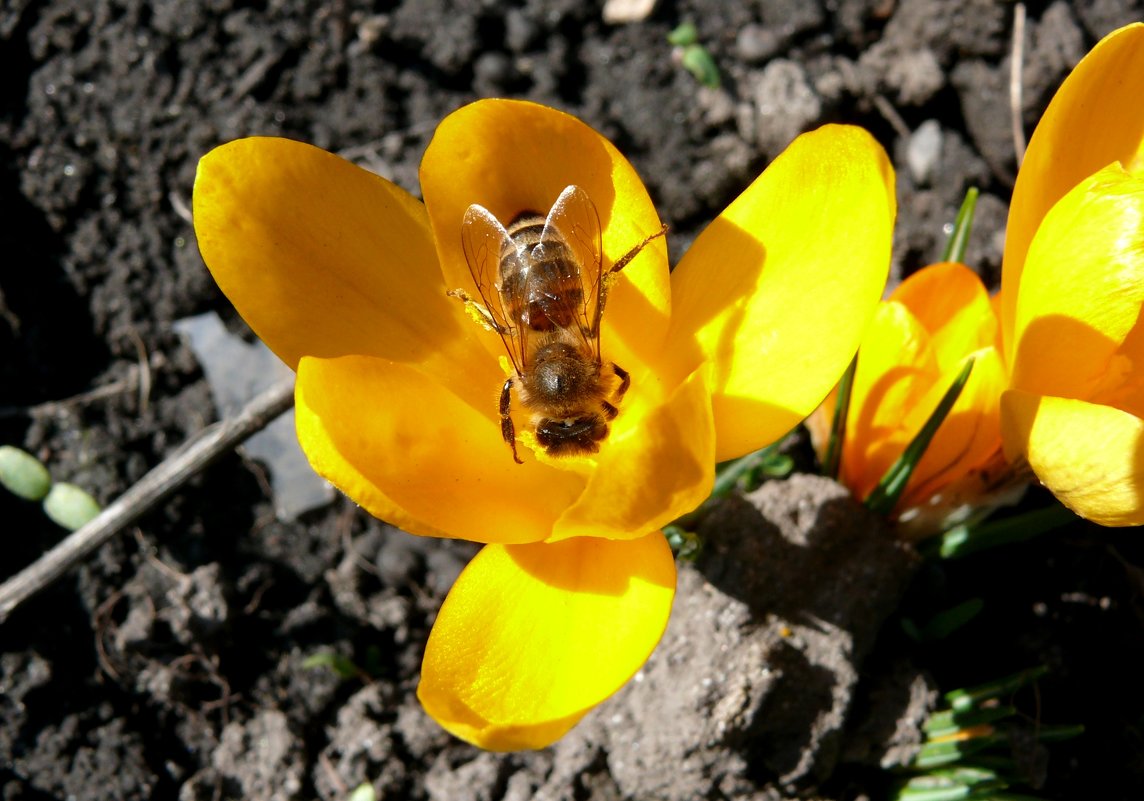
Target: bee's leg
508 431
480 313
608 278
610 411
625 381
622 262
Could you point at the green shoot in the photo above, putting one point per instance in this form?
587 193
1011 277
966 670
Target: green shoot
958 241
832 461
685 544
967 538
693 56
885 496
747 472
968 749
944 623
342 666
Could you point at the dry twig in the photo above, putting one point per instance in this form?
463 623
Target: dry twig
164 479
1016 64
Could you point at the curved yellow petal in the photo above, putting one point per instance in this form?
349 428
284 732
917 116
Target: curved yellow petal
951 303
416 454
1090 456
323 258
1094 119
513 156
998 305
1082 291
532 637
658 464
777 291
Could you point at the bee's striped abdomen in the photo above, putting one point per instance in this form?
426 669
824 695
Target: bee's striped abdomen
542 290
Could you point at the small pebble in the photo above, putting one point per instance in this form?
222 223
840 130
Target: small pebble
618 11
924 152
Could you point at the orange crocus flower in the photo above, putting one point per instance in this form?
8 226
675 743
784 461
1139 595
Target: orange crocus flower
1059 369
916 345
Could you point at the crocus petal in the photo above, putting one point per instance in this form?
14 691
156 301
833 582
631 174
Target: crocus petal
971 433
1094 119
1082 290
777 291
414 453
656 466
532 637
951 303
322 258
535 152
1090 456
895 370
913 349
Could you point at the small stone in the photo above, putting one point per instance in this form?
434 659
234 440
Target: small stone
785 104
620 11
924 152
757 43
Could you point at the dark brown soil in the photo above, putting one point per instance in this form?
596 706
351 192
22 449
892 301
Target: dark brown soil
170 664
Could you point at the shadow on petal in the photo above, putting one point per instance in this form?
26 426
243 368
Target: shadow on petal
777 291
710 292
606 569
1060 356
534 152
658 465
413 452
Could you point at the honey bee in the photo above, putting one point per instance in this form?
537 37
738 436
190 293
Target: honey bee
543 288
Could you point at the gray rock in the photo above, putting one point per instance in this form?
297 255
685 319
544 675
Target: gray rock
757 672
923 151
784 104
262 756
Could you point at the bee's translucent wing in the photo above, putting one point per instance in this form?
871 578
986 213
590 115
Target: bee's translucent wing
486 243
574 216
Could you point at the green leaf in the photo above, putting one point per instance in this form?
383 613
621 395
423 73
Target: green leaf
967 539
684 35
699 63
948 792
944 623
684 543
343 666
885 496
933 755
962 226
973 697
951 784
747 472
832 461
948 721
1057 734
